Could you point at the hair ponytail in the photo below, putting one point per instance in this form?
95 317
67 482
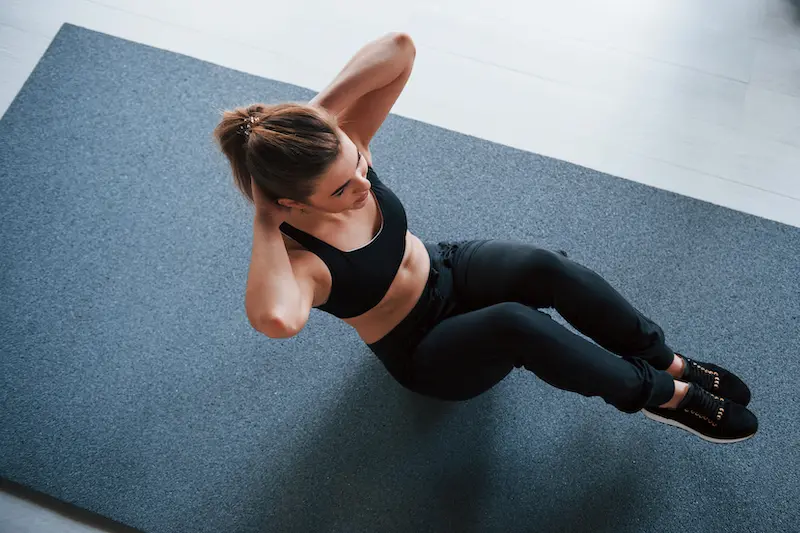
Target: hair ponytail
284 148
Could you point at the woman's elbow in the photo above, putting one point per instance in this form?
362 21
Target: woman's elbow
275 328
405 43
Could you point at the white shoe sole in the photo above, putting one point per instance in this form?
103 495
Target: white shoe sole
671 422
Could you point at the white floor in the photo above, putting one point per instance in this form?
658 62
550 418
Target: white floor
699 97
18 515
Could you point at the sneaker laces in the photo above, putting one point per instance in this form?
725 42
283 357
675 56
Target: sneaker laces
696 373
707 406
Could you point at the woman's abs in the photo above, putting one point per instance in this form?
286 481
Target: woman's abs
402 296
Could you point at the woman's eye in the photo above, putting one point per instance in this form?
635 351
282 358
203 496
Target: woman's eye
340 193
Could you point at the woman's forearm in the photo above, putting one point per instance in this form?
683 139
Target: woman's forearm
376 65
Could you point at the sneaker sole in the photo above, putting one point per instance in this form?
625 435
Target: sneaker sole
671 422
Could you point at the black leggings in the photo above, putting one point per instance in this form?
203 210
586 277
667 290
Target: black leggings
478 319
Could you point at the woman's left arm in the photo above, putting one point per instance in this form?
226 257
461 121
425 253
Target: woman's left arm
363 93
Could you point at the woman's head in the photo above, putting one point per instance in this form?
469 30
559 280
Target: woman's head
296 154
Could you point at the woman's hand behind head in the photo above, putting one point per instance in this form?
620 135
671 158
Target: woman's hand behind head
266 210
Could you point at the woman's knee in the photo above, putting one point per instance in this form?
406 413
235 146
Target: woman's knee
514 320
545 264
519 331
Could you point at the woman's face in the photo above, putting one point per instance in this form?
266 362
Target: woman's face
344 187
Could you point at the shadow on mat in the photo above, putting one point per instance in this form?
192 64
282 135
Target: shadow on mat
402 462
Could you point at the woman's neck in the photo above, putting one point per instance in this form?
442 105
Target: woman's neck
314 220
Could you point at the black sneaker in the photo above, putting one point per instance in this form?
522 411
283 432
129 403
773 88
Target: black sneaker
708 416
716 380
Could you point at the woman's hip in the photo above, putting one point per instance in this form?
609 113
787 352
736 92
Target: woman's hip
437 303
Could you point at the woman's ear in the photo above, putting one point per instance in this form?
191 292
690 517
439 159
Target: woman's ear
286 202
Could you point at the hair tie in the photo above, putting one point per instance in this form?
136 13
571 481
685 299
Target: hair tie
247 126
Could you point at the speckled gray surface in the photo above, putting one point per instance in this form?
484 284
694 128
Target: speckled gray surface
132 385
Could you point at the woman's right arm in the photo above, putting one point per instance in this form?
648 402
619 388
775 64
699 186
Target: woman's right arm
273 297
280 290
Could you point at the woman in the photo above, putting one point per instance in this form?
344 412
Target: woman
452 319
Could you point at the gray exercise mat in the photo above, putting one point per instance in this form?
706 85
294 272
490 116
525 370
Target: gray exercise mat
133 386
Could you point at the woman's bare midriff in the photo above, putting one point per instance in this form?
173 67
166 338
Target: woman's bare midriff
403 294
399 300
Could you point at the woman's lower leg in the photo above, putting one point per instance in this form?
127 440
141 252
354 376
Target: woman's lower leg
594 307
676 368
681 388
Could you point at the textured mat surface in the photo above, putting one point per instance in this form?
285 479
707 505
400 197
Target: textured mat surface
132 385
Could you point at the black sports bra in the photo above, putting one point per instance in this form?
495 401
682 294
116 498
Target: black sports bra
361 277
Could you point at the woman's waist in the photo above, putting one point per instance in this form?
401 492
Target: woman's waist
433 300
403 297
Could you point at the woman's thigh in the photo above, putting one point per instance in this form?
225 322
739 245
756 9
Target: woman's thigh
503 271
498 271
467 354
